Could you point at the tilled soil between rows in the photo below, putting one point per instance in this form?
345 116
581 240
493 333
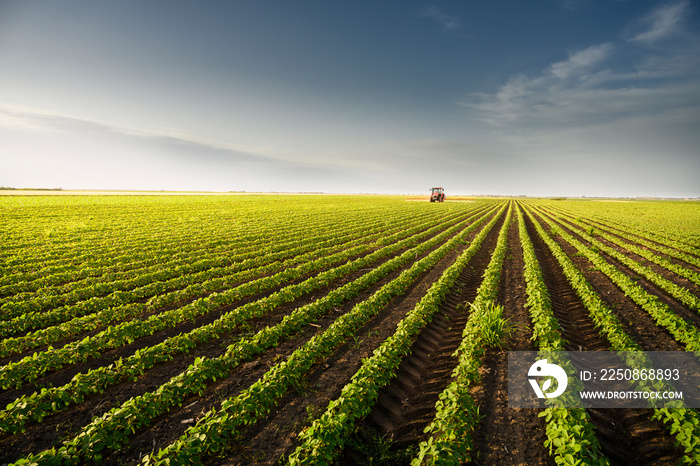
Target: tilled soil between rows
508 436
665 273
55 427
407 405
274 437
627 436
648 286
656 246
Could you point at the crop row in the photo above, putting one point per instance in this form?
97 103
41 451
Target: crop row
250 269
32 367
53 296
680 293
682 422
111 430
457 413
163 243
97 380
679 328
570 433
298 255
161 282
189 263
321 442
678 269
34 273
653 235
639 244
213 431
85 228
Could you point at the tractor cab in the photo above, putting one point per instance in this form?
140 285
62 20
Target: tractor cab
437 194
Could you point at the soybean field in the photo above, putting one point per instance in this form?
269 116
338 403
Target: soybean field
328 329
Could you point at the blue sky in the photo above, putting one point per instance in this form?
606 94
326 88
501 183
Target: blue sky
569 97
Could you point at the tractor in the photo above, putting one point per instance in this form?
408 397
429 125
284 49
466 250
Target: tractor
437 195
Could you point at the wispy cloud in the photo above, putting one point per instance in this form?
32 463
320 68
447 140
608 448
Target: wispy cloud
595 96
81 153
39 120
662 22
529 100
24 119
589 87
171 142
607 106
447 21
581 60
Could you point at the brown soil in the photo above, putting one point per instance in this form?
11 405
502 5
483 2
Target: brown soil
275 436
55 427
647 285
407 405
506 435
665 273
617 231
404 407
625 435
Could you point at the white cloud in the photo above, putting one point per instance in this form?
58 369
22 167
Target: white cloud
662 22
46 149
581 60
17 117
589 87
529 100
448 22
627 125
21 118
